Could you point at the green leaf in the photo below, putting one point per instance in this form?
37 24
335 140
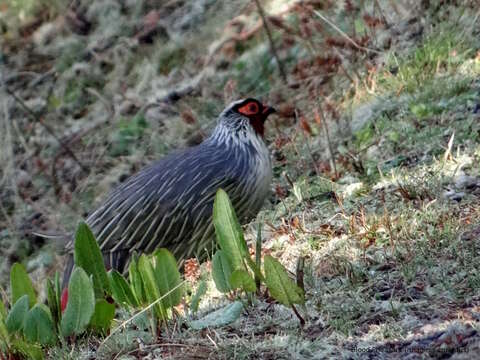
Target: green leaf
220 317
150 284
28 350
38 326
228 231
88 256
16 316
221 271
136 280
103 315
242 279
255 268
53 301
281 287
81 303
201 290
168 278
121 290
21 284
3 311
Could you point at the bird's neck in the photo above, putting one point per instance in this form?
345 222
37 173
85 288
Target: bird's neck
242 138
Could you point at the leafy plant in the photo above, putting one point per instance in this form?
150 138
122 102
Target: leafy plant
281 287
232 265
21 284
122 291
38 326
81 304
88 303
87 255
221 271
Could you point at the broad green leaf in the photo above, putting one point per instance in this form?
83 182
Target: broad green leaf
136 280
16 316
88 256
150 284
81 303
21 284
220 317
228 231
281 287
241 279
103 315
28 350
201 290
38 326
121 290
221 271
168 278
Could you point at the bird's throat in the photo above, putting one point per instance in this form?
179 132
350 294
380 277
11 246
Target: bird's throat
258 125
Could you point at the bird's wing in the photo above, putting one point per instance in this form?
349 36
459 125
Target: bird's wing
168 204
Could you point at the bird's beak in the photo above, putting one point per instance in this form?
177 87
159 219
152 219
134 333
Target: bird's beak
267 110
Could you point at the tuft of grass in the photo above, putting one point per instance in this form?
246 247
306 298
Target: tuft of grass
441 54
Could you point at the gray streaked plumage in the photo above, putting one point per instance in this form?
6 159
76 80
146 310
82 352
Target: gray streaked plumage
169 204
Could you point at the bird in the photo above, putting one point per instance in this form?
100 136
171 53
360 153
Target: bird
169 204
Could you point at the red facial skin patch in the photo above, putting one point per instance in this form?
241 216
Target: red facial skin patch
249 109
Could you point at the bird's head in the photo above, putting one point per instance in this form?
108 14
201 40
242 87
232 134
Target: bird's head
246 115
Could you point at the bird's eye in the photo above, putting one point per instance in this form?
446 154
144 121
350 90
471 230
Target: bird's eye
248 109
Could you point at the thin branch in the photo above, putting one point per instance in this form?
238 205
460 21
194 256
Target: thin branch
283 74
349 39
123 324
47 127
317 170
319 114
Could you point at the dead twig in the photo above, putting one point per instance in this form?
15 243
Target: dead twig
348 38
320 117
283 74
47 127
317 170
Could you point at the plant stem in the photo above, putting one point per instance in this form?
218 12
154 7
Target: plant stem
258 252
283 74
300 273
302 320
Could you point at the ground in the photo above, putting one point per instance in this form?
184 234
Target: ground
375 146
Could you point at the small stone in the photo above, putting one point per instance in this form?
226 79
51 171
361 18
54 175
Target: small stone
464 181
